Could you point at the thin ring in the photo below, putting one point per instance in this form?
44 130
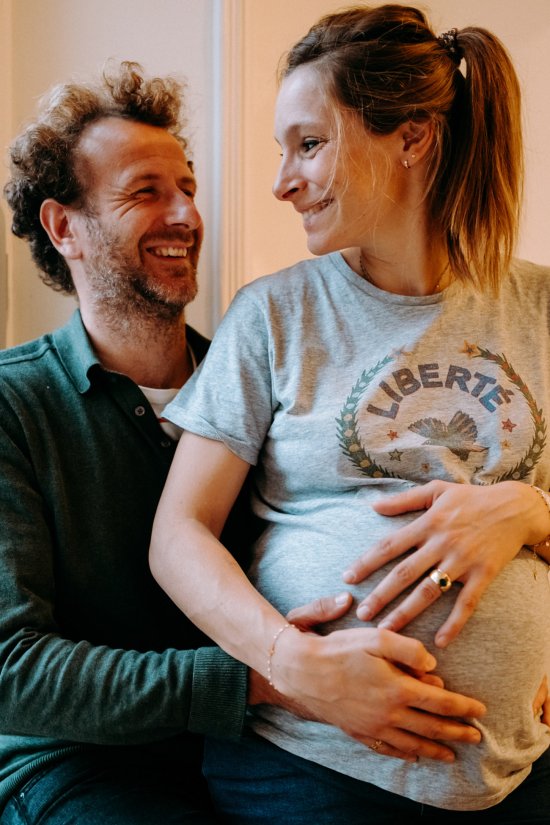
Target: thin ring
443 581
376 745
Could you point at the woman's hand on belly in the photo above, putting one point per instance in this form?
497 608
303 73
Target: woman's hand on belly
375 685
467 532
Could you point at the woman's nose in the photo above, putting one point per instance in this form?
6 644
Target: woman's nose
287 183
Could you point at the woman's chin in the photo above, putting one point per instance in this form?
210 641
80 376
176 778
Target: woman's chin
319 246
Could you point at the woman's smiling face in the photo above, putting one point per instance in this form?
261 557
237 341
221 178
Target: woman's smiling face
337 175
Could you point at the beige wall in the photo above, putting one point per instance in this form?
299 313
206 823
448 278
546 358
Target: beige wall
229 50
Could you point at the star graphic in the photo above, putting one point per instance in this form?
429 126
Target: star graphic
505 444
395 455
392 434
471 350
508 425
426 468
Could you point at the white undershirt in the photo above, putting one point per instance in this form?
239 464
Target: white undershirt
159 398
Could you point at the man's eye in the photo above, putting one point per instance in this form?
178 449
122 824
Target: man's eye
146 190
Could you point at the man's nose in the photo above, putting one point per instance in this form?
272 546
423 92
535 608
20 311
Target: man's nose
182 210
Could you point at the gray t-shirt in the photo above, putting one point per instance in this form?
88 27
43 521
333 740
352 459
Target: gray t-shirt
340 393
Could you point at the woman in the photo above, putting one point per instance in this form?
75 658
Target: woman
409 352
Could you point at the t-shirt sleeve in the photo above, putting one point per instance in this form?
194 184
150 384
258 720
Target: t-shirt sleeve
230 397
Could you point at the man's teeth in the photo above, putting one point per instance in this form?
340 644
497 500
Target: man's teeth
170 251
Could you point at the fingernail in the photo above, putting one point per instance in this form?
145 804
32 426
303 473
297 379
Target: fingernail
441 640
431 661
348 576
449 757
385 624
341 599
364 612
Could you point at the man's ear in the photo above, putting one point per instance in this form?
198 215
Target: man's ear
417 138
58 222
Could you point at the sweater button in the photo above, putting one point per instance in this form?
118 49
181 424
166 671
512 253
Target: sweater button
139 411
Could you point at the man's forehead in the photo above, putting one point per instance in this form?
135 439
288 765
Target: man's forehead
119 144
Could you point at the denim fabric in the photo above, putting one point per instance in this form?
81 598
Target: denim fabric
85 790
255 782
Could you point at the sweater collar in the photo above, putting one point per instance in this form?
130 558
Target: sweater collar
76 352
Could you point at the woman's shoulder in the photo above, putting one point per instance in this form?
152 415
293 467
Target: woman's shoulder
306 274
523 270
526 283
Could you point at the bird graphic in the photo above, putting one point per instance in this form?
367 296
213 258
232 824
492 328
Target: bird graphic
459 435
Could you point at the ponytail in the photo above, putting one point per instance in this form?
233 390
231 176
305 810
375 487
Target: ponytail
477 194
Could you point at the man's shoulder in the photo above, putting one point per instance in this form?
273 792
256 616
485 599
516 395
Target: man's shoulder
26 355
27 371
64 353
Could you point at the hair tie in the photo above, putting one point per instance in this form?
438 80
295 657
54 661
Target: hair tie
448 40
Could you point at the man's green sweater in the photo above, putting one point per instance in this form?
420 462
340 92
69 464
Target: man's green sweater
92 652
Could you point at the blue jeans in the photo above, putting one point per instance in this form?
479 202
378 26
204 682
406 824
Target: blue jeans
112 787
253 781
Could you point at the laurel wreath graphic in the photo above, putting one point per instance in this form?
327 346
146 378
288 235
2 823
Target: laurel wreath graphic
533 454
348 434
352 446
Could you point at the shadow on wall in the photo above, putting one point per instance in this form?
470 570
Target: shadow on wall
3 281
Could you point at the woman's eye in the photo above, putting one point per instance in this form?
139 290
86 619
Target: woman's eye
309 144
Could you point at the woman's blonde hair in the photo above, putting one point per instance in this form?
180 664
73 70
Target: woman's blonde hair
387 65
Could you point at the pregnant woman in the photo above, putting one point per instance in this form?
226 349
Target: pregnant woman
410 357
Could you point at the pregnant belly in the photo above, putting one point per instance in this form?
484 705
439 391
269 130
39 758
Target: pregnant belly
501 655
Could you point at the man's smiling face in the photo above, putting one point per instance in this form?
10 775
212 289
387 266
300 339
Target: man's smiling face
140 231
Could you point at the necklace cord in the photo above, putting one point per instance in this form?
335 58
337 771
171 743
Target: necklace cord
365 274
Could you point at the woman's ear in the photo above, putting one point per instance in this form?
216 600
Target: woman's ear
417 138
57 221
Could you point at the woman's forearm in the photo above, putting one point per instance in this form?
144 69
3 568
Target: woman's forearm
205 582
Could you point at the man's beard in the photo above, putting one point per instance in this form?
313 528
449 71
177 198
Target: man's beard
123 290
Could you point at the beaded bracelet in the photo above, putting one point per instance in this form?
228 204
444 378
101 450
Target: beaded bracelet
280 631
545 541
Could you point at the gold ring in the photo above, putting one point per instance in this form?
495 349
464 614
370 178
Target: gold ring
376 745
441 578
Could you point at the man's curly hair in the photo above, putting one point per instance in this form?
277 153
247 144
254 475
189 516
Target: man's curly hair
43 157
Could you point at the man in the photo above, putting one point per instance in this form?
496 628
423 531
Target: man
105 687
